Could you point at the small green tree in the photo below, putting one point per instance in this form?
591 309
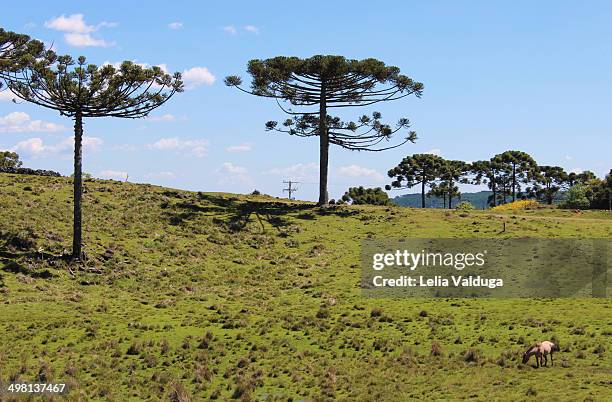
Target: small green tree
576 197
366 196
319 84
9 160
80 90
421 169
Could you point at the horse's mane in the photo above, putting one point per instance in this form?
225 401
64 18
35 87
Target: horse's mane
532 347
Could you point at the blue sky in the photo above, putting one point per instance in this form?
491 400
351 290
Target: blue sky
532 76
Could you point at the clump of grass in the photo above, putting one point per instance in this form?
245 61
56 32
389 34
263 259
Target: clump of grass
178 392
164 346
531 391
202 374
376 312
599 349
206 340
471 355
436 349
135 348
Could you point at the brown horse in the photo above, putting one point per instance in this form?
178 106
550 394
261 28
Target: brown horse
541 350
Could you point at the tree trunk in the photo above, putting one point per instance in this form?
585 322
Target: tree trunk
423 193
77 245
323 149
493 187
513 182
443 200
450 194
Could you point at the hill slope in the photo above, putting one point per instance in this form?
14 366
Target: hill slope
479 200
203 296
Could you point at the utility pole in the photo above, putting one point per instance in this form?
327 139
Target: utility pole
290 189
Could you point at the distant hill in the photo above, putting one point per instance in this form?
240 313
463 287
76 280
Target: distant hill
479 200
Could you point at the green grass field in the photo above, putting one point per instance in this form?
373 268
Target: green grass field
198 296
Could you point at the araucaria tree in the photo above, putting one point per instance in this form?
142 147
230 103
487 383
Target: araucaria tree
451 172
421 169
308 89
548 182
522 167
492 173
79 90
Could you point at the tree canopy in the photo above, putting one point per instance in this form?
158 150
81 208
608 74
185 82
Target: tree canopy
307 89
548 182
366 196
420 169
18 51
9 160
74 87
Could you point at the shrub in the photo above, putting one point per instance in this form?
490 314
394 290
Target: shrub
516 205
465 206
576 197
366 196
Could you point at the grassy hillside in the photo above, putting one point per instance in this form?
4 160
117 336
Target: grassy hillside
195 296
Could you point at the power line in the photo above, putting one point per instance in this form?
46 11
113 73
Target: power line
290 190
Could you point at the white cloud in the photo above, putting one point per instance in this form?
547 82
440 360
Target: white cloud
359 172
175 25
91 143
35 147
196 76
234 173
244 147
31 146
163 117
125 147
20 122
228 167
251 29
161 175
77 32
73 23
230 29
6 95
577 170
113 174
299 171
197 148
83 40
434 151
568 158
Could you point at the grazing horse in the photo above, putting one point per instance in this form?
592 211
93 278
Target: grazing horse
541 350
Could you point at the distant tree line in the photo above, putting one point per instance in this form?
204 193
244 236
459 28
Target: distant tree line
10 163
511 175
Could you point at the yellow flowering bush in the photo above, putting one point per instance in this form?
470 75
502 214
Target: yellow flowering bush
511 206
